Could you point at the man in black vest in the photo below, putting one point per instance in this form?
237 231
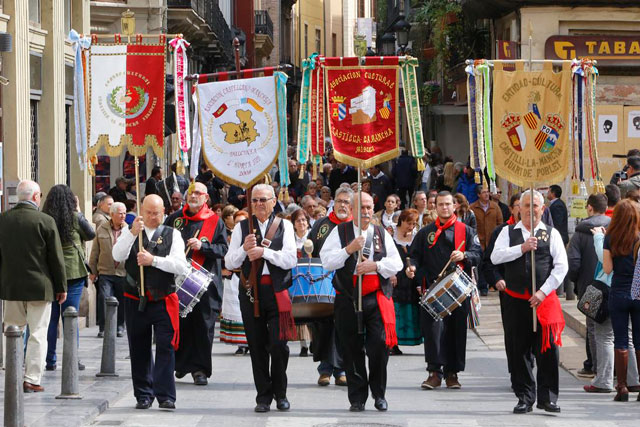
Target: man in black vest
445 342
323 336
380 261
162 257
513 249
205 236
273 248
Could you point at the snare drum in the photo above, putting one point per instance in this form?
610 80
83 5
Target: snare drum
448 294
191 286
312 293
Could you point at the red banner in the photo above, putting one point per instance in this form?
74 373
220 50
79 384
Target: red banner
363 111
317 112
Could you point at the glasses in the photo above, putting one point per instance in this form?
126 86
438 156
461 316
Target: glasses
261 200
342 202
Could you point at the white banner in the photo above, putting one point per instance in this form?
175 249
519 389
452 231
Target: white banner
239 128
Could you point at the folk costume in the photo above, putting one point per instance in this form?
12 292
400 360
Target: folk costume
267 334
445 342
323 334
152 380
551 266
377 307
197 330
405 300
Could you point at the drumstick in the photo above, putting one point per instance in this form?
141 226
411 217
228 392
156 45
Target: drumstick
188 248
449 262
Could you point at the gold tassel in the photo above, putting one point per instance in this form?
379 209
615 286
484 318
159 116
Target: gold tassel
301 174
477 178
192 186
281 194
180 167
314 173
420 164
286 195
574 187
267 178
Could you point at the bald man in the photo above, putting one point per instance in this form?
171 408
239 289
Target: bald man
162 257
205 236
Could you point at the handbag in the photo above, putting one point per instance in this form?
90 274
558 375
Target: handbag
594 303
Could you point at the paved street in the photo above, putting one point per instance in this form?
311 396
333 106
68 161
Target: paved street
484 400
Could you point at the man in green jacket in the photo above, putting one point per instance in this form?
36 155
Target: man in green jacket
32 275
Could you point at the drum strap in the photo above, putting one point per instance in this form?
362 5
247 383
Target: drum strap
366 250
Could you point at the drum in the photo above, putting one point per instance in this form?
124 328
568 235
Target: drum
191 286
311 292
448 294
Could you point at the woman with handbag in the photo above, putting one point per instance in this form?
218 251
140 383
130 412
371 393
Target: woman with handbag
619 244
74 229
603 332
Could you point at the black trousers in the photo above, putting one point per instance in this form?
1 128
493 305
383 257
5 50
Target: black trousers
263 337
354 346
151 380
445 341
523 343
196 337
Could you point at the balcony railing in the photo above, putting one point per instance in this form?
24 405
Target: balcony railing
264 25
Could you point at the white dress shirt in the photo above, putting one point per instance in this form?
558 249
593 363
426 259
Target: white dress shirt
503 253
387 219
286 258
333 255
175 262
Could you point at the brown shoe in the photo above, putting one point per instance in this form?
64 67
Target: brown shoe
341 380
324 380
31 388
452 381
434 381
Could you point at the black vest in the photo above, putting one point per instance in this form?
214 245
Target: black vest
157 283
517 273
343 279
319 233
280 278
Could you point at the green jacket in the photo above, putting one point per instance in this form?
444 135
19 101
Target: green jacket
74 256
31 261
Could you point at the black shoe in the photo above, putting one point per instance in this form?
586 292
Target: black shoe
167 405
81 367
356 407
549 407
180 374
304 352
143 404
262 407
239 351
50 367
101 334
522 408
484 292
283 404
120 332
395 351
199 378
381 404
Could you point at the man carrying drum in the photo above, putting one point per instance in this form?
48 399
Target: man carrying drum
268 247
205 237
513 250
325 349
380 261
444 240
162 257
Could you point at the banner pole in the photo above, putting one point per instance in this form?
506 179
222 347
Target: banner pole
531 219
143 298
359 315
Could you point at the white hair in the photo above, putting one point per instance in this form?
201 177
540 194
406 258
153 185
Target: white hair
305 200
263 187
26 189
115 206
345 190
538 195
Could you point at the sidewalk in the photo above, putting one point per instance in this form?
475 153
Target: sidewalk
43 409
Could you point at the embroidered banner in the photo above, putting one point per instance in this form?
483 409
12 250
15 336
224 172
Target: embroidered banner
362 110
531 121
180 71
126 98
240 127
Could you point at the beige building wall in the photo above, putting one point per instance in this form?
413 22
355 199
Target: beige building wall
334 34
308 18
274 8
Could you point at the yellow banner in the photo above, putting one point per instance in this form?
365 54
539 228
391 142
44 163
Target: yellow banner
531 124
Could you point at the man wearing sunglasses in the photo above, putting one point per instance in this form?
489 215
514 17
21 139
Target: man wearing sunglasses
205 237
267 246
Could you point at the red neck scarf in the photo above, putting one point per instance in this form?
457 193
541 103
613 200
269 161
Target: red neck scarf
210 222
334 218
451 221
511 220
609 212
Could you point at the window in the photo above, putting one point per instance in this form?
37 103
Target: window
360 8
67 16
334 44
34 141
67 140
34 11
306 40
319 41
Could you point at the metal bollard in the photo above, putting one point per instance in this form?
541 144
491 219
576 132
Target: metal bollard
108 362
13 379
70 388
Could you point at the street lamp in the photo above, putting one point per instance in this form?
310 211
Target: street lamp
401 29
388 43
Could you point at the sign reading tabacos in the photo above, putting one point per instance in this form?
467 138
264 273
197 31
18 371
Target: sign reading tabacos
614 50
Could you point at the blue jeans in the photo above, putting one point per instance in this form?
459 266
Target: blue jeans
111 286
74 292
621 307
325 368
